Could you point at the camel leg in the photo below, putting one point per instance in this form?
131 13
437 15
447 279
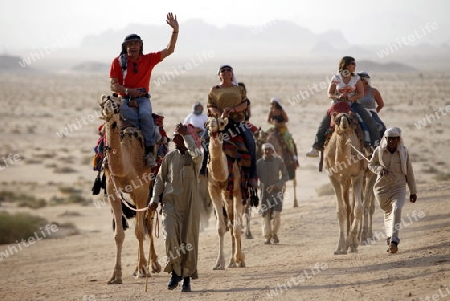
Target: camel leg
231 214
248 213
141 268
341 212
371 212
295 193
220 225
366 231
119 233
149 217
357 183
239 259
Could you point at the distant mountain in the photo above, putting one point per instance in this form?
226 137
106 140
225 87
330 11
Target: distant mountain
92 67
11 63
274 39
371 66
273 45
271 42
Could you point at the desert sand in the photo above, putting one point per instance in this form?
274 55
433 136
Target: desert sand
37 109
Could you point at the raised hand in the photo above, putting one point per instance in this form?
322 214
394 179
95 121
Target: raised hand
172 21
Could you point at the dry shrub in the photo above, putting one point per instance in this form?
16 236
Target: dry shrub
430 170
64 170
326 189
442 177
68 190
33 161
19 226
22 200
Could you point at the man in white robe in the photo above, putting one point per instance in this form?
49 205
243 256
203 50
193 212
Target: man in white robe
390 161
177 183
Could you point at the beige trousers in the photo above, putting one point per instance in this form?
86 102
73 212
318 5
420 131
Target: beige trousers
267 228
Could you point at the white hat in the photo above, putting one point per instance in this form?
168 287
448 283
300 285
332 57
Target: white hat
275 99
267 145
393 132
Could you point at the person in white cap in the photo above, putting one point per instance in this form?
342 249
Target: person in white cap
197 118
272 175
391 162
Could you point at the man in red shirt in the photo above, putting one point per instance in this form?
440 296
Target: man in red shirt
130 77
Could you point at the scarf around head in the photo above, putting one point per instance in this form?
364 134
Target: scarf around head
395 132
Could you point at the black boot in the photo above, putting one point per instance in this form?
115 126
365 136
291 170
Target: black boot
174 280
186 284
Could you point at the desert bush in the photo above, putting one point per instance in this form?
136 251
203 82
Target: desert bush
68 190
22 200
33 161
430 170
45 155
32 202
19 226
64 170
326 189
7 196
54 200
76 198
442 177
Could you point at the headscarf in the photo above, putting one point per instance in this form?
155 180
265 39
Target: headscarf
267 145
198 103
233 79
277 101
395 132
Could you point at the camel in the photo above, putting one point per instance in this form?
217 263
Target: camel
346 170
125 170
291 165
217 186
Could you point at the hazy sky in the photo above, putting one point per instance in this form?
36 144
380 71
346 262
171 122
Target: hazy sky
26 24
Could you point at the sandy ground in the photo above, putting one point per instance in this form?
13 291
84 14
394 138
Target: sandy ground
301 267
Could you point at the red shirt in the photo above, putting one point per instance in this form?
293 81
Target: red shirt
144 66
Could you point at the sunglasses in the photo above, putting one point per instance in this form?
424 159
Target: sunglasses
226 69
135 67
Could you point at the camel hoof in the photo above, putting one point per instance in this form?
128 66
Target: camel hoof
249 236
156 267
115 281
232 265
339 252
353 250
143 272
218 268
242 265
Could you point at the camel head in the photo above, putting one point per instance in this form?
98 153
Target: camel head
261 136
110 105
216 124
343 122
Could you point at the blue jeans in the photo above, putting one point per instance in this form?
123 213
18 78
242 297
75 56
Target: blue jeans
140 118
369 122
380 123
